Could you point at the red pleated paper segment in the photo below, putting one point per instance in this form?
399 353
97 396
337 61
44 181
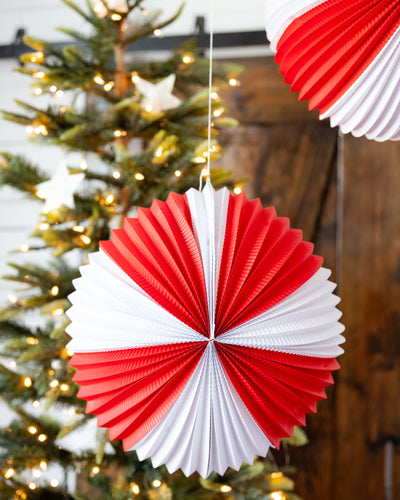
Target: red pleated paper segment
344 57
203 331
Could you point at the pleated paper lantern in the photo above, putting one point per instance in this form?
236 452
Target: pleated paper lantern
344 57
203 331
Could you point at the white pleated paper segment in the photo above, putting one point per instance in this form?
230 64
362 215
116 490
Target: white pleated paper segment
203 331
344 57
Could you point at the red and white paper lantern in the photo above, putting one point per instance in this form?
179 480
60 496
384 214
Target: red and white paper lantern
203 331
344 57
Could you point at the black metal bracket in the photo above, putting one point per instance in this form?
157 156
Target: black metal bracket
221 40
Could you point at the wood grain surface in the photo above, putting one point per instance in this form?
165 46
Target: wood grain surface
344 193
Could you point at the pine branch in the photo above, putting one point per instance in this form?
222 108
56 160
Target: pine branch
19 173
93 20
148 29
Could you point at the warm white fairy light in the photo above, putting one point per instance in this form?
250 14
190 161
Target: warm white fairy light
95 469
43 465
64 387
157 32
53 89
42 438
70 352
32 486
55 290
156 483
27 381
36 403
178 173
187 58
54 483
98 8
30 130
32 429
59 311
135 77
43 226
36 473
214 96
38 74
36 56
159 152
9 472
139 176
24 247
108 86
116 174
86 240
119 133
109 198
41 130
12 364
276 475
116 17
32 341
135 488
78 229
99 79
83 164
237 189
148 108
54 383
218 112
225 488
277 495
233 82
37 91
199 159
12 298
59 93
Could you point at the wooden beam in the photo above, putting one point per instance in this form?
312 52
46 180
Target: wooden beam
367 408
263 97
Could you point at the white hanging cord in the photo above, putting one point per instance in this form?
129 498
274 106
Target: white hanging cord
210 75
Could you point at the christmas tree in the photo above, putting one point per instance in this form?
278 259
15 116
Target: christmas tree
141 131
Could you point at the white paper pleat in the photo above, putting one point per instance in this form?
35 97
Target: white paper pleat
371 106
208 210
308 317
109 311
281 13
207 429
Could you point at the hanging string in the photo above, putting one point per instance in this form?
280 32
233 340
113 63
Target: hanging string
210 75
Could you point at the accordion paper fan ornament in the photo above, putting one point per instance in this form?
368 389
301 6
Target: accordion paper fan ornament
343 56
204 331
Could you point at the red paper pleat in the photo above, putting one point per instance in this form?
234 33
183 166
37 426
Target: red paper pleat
103 365
277 388
263 261
159 251
132 389
325 50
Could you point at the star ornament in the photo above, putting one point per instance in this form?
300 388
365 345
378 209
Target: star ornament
157 97
59 190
